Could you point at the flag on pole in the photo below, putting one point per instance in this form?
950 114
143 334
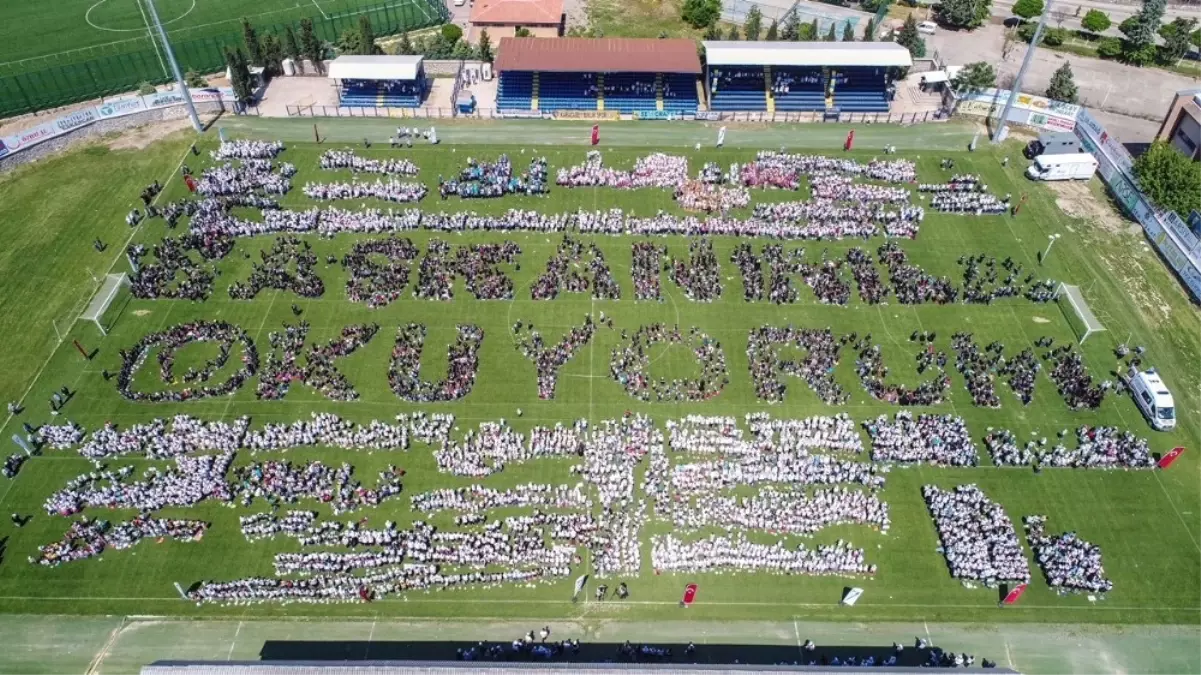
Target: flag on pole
595 134
721 137
433 136
852 597
180 590
579 586
1013 595
1166 460
221 134
190 182
850 140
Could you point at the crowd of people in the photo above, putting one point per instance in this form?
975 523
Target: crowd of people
736 553
191 480
90 537
548 359
982 367
281 369
978 539
821 354
1096 448
495 179
939 440
378 283
696 195
657 170
630 365
576 269
911 284
167 342
391 190
1069 564
463 364
275 271
347 159
873 374
788 512
249 177
280 482
824 278
175 273
1073 380
247 149
699 277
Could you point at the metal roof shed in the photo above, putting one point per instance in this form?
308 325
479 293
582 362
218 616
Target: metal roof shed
375 68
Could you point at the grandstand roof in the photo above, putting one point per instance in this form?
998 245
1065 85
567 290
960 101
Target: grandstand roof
374 67
743 53
598 55
517 12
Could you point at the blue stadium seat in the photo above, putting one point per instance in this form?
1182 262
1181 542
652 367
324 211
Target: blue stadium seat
566 91
737 88
382 93
630 92
798 88
861 90
679 93
515 90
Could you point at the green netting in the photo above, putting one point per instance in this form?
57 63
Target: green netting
60 79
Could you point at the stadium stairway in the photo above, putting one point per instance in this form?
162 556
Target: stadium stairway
659 92
702 101
600 92
534 93
767 92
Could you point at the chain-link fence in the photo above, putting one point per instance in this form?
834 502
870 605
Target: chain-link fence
48 82
435 112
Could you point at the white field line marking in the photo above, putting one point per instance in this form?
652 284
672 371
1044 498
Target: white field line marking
104 650
230 654
1168 497
796 630
320 10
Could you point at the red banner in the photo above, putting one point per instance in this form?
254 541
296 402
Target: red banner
850 140
1014 595
689 595
190 182
1166 460
595 134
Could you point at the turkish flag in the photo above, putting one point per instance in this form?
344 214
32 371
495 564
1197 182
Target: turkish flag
595 134
1014 595
689 595
850 140
190 182
1166 460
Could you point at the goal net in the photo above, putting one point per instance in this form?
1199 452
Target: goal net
1076 310
103 300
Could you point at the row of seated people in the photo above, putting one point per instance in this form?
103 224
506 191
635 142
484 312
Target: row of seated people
630 92
382 93
737 88
515 91
798 88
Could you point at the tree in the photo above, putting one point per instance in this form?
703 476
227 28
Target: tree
1095 21
713 32
195 80
1169 179
869 31
524 32
291 48
1140 31
452 33
754 23
910 39
974 77
964 13
484 47
239 75
1195 38
254 48
367 44
815 31
733 33
1177 39
311 47
700 13
1063 85
1028 9
848 33
147 89
791 31
832 34
1053 37
773 32
273 55
405 46
807 33
1109 48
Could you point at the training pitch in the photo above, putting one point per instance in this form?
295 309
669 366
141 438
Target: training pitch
1145 521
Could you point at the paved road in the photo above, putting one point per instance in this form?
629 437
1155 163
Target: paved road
1118 12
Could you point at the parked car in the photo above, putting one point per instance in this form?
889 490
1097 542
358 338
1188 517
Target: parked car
927 27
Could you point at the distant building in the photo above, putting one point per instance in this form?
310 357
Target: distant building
502 18
1182 126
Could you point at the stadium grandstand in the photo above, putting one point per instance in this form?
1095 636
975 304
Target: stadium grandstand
802 76
379 81
646 77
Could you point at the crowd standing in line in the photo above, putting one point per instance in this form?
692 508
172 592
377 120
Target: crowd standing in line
1096 448
567 272
347 159
978 539
1070 564
940 440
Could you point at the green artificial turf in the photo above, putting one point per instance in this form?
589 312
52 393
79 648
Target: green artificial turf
1146 522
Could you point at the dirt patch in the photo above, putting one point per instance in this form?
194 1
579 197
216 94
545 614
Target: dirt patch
1076 200
141 312
143 136
1039 319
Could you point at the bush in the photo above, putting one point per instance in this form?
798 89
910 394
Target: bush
1096 21
451 33
1054 37
1109 48
146 89
1028 9
700 13
195 80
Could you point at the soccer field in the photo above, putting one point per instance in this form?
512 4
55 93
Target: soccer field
1144 521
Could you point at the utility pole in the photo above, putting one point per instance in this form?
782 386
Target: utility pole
183 86
1003 123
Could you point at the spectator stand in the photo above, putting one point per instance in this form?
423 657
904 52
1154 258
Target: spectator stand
380 81
854 77
620 76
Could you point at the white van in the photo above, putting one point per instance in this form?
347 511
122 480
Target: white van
1076 166
927 27
1152 397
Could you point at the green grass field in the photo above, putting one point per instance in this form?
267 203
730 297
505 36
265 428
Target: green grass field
1145 522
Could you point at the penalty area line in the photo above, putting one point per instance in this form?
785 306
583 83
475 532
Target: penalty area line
318 6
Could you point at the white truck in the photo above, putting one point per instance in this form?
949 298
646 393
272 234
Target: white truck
1152 397
1075 166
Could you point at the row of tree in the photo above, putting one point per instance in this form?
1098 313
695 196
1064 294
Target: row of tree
705 13
268 52
1138 46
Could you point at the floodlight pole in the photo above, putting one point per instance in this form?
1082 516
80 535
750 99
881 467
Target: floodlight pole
1003 124
183 86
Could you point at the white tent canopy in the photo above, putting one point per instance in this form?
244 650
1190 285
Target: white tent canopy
833 54
375 67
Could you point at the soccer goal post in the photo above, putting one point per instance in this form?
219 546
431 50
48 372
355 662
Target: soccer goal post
1076 310
103 299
